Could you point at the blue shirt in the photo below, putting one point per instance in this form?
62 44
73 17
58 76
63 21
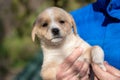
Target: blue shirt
99 24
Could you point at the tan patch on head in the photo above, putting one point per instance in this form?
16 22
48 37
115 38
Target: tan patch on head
41 25
61 14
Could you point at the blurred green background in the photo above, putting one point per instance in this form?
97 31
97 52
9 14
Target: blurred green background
16 19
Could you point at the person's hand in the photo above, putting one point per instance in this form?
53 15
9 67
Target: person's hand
111 73
71 67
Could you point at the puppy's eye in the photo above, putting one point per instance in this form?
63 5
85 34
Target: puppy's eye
61 21
44 24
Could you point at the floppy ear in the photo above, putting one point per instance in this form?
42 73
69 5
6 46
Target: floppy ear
73 25
34 32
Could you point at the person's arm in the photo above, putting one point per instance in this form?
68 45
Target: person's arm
71 67
111 73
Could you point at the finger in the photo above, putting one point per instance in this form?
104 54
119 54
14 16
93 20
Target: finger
73 70
67 75
68 62
102 75
70 77
78 65
86 77
96 78
75 77
112 70
84 69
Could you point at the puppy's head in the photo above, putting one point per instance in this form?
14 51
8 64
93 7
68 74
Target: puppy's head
53 25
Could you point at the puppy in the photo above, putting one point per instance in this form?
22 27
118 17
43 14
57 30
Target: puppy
58 36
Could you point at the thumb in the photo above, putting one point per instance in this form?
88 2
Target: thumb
112 70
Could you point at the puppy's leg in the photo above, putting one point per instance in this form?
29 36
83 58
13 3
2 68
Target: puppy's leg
97 55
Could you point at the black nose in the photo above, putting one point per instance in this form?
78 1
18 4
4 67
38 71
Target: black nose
55 31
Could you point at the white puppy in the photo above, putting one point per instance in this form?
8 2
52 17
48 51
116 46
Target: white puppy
58 36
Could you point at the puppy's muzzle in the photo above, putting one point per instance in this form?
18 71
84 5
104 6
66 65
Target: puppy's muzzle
56 35
55 31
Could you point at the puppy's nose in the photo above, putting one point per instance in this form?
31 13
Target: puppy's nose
55 31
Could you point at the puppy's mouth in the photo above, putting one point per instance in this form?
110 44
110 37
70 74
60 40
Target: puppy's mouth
57 39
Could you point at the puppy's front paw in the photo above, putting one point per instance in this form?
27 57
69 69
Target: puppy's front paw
97 55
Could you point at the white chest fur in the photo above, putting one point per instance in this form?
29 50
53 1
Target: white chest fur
59 54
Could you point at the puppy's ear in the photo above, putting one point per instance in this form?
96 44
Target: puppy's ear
34 33
73 25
